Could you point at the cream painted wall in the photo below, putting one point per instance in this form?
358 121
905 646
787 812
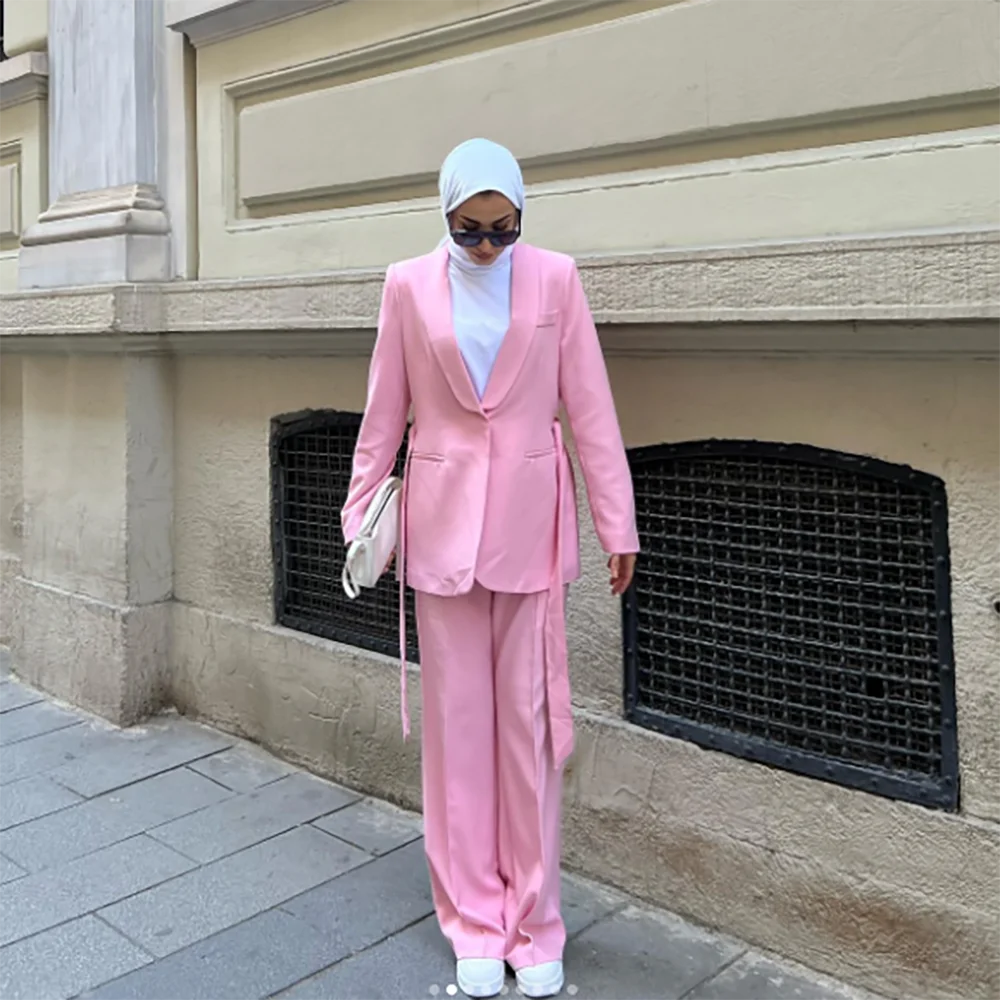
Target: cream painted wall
92 600
24 142
770 121
222 541
909 908
74 433
938 417
10 455
11 506
25 26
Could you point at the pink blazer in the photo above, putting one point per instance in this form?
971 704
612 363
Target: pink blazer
489 492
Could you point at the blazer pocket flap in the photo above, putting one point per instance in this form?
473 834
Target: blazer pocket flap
549 318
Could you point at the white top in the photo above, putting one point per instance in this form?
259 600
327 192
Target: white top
480 310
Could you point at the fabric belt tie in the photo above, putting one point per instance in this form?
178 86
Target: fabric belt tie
556 655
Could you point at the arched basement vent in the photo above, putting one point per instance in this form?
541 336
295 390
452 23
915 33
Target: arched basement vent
792 606
311 454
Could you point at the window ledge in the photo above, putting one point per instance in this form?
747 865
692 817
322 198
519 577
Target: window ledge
208 21
23 78
931 294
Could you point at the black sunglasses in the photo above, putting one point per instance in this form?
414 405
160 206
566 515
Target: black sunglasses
497 238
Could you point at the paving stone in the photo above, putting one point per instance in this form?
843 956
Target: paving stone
226 892
367 904
643 955
88 951
755 977
375 827
254 959
242 769
34 720
30 798
141 753
37 902
306 912
4 662
44 753
585 902
244 820
408 965
14 695
9 871
107 819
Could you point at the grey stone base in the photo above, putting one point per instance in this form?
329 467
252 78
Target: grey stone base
116 259
107 659
330 708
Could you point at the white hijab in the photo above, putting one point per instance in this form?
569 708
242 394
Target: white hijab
480 294
473 167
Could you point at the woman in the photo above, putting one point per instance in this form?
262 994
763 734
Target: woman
485 338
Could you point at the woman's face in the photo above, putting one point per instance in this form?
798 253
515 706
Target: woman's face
486 212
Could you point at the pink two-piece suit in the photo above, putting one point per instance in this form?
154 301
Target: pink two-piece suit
490 538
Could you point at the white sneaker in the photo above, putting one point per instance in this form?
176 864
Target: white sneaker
480 977
544 980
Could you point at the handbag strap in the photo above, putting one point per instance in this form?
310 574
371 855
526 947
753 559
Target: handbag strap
350 587
404 707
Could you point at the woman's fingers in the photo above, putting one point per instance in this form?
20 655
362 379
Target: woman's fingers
622 570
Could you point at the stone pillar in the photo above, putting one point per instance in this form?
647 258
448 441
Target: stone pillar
96 579
107 221
93 596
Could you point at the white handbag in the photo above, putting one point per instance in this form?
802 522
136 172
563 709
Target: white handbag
369 553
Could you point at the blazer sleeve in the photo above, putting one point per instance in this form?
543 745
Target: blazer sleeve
386 409
586 395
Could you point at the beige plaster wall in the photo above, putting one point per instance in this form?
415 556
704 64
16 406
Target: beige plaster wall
91 598
222 526
732 121
897 897
24 169
11 506
329 707
830 873
25 26
74 433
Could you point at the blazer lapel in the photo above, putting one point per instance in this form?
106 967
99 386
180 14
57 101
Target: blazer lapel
524 298
442 332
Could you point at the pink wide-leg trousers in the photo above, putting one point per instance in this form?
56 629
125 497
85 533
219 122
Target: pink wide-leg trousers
492 798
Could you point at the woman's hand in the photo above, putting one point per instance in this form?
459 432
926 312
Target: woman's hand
622 569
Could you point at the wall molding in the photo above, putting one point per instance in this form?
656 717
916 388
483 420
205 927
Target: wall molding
208 21
387 52
377 59
10 199
927 294
711 111
23 78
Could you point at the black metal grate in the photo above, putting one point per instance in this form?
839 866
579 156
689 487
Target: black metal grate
792 606
311 455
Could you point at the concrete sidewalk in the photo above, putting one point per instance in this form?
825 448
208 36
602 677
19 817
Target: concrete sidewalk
170 861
